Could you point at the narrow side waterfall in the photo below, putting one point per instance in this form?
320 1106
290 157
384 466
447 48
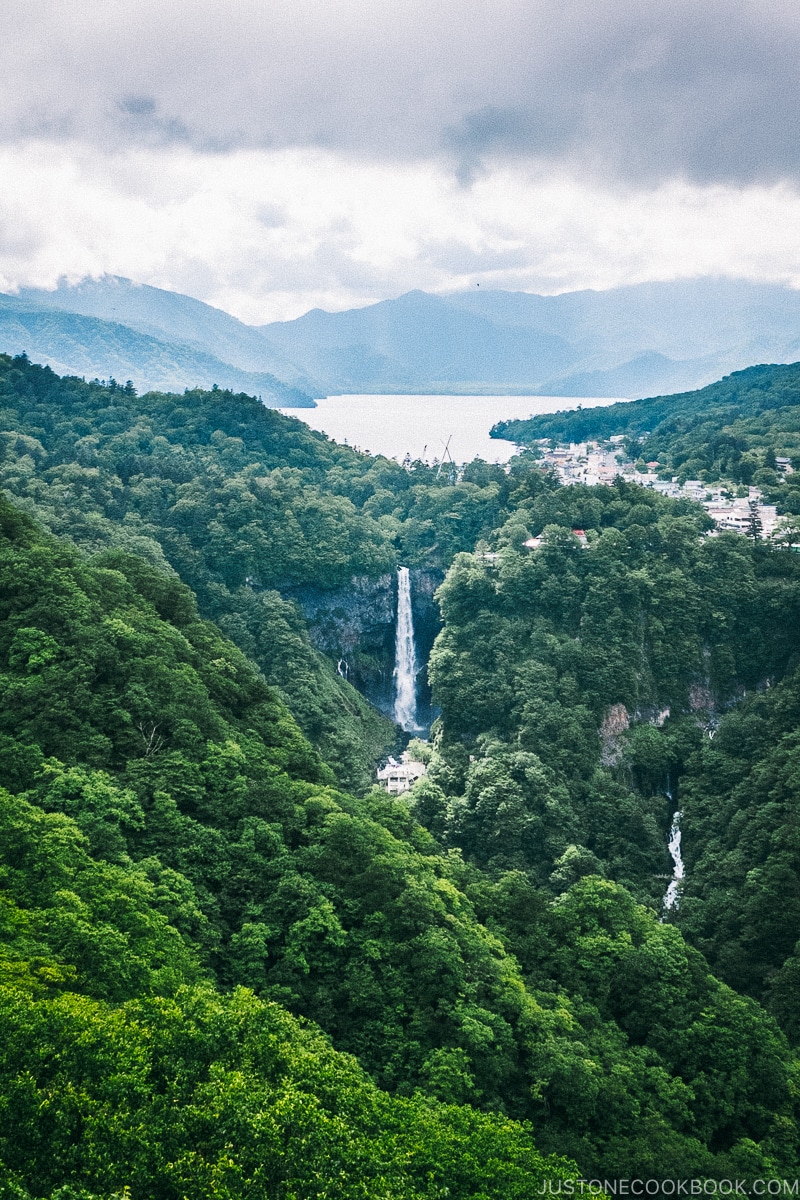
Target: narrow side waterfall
674 846
405 671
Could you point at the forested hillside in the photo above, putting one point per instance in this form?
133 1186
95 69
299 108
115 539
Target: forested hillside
121 1063
591 671
173 318
741 803
137 721
199 924
247 506
74 342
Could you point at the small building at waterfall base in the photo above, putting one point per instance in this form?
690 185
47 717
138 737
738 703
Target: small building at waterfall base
398 777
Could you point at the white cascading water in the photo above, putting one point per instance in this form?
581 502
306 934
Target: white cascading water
405 670
674 846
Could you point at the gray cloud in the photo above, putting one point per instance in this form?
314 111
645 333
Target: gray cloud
626 89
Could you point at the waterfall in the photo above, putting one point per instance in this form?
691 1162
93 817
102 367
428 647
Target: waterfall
405 671
674 846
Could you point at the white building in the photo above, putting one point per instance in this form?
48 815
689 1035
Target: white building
398 777
736 515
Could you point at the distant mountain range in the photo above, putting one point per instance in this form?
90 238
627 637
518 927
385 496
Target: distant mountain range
628 342
160 340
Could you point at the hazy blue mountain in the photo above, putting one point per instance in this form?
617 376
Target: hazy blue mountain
172 317
627 341
645 375
73 344
420 342
630 341
683 319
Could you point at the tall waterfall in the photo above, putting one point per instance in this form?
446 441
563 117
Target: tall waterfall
405 671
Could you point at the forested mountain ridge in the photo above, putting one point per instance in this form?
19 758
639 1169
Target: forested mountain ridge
492 941
162 478
419 343
627 341
577 681
122 1065
590 689
247 506
644 338
174 318
741 801
193 789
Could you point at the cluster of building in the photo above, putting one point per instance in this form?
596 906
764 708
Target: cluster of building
601 463
738 514
587 462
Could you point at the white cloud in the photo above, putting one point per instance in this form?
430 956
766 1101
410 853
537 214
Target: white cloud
269 234
271 156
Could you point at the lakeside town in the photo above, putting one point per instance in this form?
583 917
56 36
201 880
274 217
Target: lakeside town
731 507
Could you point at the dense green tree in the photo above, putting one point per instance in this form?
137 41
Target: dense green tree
174 836
121 1071
604 661
247 506
740 903
223 848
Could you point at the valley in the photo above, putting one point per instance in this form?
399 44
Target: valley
217 624
399 601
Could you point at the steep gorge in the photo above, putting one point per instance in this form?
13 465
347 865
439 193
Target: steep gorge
354 625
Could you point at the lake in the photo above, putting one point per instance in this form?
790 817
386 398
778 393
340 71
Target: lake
424 426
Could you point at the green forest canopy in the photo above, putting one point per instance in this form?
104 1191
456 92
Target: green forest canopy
245 505
489 950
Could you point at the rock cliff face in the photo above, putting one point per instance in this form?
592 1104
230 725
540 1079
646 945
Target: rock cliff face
427 623
355 626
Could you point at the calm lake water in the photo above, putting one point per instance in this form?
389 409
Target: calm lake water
423 426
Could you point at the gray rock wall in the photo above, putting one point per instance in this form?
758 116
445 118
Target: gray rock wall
355 626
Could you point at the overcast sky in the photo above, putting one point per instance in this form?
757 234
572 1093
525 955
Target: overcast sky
269 156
